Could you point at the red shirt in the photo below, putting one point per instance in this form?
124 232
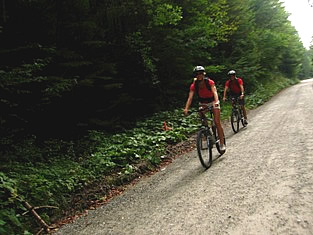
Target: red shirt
204 92
234 85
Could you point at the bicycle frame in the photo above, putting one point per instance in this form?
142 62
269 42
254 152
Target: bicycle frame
235 105
236 114
207 122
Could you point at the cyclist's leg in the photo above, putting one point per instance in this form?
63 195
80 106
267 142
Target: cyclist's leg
217 120
244 112
202 117
242 104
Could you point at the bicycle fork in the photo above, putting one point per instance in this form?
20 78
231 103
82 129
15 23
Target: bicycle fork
211 140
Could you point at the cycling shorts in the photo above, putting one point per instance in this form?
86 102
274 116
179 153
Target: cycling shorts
210 105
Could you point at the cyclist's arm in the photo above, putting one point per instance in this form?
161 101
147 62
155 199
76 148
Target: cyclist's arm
242 91
189 101
225 91
213 89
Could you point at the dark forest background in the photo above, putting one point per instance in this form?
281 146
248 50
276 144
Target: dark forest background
68 66
85 86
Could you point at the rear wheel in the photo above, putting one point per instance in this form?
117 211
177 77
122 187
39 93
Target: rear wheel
235 121
204 148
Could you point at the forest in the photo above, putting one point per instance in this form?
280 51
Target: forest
85 86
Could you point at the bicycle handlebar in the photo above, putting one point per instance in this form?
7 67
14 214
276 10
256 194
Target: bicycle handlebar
235 100
201 109
209 108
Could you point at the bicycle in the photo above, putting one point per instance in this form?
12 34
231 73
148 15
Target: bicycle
207 137
236 115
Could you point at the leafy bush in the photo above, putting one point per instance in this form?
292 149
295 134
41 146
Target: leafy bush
10 207
49 172
267 90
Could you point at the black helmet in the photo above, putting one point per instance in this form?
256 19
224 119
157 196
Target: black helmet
232 72
198 68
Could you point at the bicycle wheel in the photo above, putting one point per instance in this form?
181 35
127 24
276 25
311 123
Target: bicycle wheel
204 148
235 121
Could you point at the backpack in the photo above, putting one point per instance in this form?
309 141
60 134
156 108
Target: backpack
206 81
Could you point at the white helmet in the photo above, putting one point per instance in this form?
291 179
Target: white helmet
198 68
232 72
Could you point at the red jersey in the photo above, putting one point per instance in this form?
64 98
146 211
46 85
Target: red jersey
233 85
204 92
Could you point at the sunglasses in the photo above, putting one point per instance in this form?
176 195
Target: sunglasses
198 73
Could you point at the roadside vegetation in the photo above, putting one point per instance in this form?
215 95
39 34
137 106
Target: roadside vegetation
86 86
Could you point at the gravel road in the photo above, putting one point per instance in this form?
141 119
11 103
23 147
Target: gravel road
263 184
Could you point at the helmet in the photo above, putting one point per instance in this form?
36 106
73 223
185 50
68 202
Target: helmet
232 72
198 68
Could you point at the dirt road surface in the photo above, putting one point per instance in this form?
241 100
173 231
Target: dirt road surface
263 184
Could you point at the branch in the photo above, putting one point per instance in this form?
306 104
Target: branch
40 207
42 223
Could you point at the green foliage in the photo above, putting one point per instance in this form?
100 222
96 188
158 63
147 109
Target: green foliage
267 90
263 43
10 205
306 70
26 93
61 170
138 44
166 14
110 56
145 142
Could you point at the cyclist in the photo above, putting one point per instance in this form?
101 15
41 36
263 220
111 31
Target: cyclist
207 95
235 85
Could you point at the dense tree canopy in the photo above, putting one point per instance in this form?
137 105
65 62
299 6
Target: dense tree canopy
92 63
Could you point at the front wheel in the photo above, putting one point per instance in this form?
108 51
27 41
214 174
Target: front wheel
204 148
235 121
